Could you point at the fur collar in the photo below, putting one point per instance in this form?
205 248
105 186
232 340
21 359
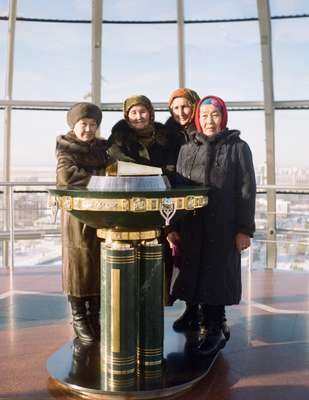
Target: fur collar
71 144
122 132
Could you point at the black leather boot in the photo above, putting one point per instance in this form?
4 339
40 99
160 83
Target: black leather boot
94 314
214 339
81 324
225 328
189 320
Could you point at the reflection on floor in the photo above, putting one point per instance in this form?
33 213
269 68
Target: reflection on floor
267 357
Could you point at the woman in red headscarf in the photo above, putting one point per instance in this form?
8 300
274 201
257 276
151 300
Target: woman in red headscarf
212 239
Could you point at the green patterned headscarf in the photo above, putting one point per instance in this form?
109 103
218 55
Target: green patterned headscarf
134 101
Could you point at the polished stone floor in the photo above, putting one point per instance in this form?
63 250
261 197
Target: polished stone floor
267 357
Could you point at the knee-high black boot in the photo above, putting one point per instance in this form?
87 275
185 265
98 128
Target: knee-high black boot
189 320
225 328
81 324
213 340
94 314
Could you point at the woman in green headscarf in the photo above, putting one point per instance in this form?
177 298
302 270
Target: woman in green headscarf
139 138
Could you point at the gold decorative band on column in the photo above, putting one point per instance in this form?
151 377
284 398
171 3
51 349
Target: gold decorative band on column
134 204
115 292
111 234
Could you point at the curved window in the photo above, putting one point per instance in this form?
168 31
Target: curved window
221 60
138 59
52 61
34 143
3 56
291 138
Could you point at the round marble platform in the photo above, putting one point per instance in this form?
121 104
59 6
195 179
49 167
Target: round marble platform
77 369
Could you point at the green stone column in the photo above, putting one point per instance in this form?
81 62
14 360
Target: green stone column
119 314
151 312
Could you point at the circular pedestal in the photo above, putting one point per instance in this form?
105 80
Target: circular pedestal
78 369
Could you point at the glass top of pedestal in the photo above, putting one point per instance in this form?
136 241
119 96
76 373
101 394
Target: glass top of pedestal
76 191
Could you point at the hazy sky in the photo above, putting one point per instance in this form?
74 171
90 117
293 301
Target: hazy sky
52 62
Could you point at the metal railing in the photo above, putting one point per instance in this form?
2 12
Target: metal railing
10 233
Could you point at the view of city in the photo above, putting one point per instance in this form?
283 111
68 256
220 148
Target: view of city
31 214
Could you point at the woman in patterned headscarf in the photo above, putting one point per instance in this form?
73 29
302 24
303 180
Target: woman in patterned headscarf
213 237
139 138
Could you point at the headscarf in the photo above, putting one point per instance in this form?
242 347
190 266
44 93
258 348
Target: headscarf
134 101
188 94
83 110
218 103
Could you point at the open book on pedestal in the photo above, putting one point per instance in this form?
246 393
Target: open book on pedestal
123 176
124 168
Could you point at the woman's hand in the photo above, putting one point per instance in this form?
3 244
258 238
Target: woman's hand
242 241
172 238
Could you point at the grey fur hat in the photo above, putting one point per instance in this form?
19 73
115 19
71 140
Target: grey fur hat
83 110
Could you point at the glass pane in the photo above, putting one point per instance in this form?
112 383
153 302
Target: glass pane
291 138
33 143
109 119
39 252
261 212
251 126
292 235
293 213
3 51
2 285
290 58
292 254
31 211
2 210
69 9
62 54
287 7
139 59
1 143
139 10
221 60
223 9
293 251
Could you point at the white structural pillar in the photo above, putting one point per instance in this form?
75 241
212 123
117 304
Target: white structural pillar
181 44
96 51
7 258
265 37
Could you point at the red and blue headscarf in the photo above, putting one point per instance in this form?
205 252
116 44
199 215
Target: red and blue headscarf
218 103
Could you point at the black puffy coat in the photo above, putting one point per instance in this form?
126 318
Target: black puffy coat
211 270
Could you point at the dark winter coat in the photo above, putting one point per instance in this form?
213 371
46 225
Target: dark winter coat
211 270
178 134
124 145
76 162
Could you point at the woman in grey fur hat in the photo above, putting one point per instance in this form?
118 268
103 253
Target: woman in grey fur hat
80 154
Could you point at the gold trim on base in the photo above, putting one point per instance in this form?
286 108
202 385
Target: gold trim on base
111 234
134 204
